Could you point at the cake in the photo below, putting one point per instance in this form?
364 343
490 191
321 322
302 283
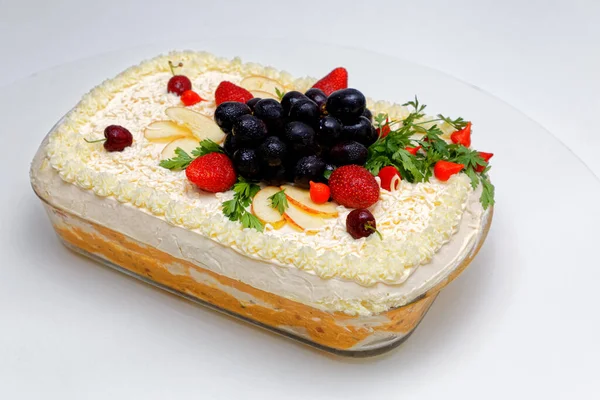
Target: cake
314 212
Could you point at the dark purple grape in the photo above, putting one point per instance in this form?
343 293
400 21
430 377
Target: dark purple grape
289 99
346 104
330 130
274 176
271 113
348 152
230 145
308 169
252 102
301 138
368 114
246 163
228 112
360 131
249 131
305 111
318 96
272 152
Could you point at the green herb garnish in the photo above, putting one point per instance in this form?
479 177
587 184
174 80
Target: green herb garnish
279 93
279 201
391 150
183 159
236 208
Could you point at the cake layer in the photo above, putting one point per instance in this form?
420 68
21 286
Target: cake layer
416 221
331 295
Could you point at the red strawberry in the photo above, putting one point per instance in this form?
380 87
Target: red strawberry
443 170
227 91
385 129
413 150
387 174
462 136
486 157
354 187
335 80
212 172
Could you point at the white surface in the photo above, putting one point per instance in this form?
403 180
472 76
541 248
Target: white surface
521 321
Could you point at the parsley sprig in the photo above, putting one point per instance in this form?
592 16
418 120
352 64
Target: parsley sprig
279 201
182 159
236 208
391 150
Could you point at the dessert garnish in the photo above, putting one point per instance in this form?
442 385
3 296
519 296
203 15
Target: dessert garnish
212 172
319 192
279 201
178 83
335 80
393 149
189 98
182 159
227 91
443 170
236 208
486 157
354 187
361 223
389 175
116 138
462 136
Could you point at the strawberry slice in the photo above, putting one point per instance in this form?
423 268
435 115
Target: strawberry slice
227 91
335 80
486 157
413 150
462 136
443 170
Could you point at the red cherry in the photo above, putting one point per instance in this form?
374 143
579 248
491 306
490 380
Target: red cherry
117 138
361 223
189 98
179 84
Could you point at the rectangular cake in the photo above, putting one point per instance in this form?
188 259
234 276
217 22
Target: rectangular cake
319 213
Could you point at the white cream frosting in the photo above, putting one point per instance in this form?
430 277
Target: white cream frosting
417 221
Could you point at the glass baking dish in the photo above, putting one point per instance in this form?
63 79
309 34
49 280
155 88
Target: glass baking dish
335 332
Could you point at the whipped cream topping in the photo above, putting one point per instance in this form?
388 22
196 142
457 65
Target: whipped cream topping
416 220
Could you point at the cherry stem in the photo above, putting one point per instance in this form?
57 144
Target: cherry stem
174 66
370 227
95 141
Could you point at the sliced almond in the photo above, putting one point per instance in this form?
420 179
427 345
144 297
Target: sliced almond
262 209
302 220
165 131
262 83
301 198
201 126
186 144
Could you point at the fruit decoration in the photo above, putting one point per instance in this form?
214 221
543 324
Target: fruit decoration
485 157
212 172
178 84
354 187
361 223
227 91
462 136
443 170
319 192
335 80
189 98
389 175
116 138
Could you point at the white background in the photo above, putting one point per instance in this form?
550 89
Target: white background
522 322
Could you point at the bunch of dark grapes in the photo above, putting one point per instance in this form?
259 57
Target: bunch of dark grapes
299 138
